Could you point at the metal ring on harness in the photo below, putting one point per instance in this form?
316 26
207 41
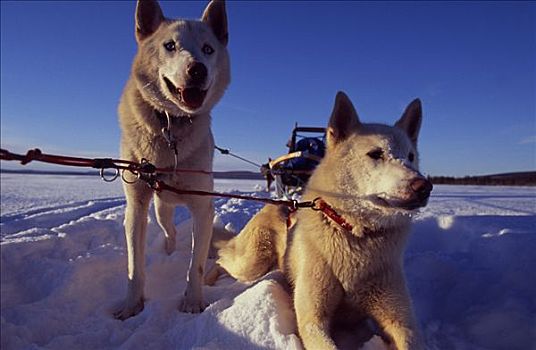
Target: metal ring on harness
137 174
110 179
315 204
294 205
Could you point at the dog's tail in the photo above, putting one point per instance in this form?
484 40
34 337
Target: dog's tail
258 248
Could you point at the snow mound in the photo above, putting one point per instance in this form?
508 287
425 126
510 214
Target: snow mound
469 266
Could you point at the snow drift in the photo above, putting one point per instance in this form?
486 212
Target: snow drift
469 267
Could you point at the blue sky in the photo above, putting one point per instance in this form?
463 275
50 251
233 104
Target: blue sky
473 64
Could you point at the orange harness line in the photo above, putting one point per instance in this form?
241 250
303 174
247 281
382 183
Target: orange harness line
321 205
147 172
97 163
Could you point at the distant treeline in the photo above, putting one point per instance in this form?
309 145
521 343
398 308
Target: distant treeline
511 179
238 175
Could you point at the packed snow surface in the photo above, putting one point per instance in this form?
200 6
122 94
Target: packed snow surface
470 268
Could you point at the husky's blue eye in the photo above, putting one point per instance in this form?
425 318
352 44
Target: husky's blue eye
170 46
376 154
207 49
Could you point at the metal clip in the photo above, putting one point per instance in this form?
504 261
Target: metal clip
146 167
109 179
171 141
168 136
314 204
130 182
151 181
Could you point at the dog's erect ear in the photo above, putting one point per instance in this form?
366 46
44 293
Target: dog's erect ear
343 121
411 120
216 18
148 18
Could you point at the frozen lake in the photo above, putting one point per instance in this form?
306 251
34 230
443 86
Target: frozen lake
469 266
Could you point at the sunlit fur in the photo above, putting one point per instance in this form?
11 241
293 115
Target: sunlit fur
153 62
332 270
145 99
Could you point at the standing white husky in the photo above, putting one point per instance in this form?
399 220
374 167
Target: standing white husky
180 72
348 257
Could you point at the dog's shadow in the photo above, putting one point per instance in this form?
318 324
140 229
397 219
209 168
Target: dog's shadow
468 279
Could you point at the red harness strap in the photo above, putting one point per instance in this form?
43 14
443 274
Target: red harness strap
332 214
98 163
327 210
146 170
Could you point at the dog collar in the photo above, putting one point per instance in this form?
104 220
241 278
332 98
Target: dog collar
319 204
327 210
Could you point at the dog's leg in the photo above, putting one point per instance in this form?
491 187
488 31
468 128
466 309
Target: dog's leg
391 307
164 216
202 211
135 229
316 297
213 274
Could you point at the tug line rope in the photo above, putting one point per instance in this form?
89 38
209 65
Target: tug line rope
144 171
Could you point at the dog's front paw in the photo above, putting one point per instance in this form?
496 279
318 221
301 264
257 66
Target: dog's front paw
192 304
129 310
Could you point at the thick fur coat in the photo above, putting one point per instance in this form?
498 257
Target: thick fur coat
179 73
370 177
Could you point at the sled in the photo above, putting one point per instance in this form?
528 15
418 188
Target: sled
291 171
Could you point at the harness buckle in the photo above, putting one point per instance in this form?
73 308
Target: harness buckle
315 204
109 179
146 167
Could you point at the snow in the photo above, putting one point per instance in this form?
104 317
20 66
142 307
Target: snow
469 266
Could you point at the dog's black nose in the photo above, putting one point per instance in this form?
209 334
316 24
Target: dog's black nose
421 187
197 72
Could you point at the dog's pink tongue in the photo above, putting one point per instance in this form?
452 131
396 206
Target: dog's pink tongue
193 97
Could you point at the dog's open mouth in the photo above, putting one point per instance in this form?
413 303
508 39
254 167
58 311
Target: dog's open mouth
191 97
400 203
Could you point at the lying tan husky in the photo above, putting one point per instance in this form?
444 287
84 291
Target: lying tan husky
349 256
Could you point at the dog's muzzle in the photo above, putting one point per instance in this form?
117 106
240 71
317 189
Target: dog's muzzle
421 189
419 193
192 95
